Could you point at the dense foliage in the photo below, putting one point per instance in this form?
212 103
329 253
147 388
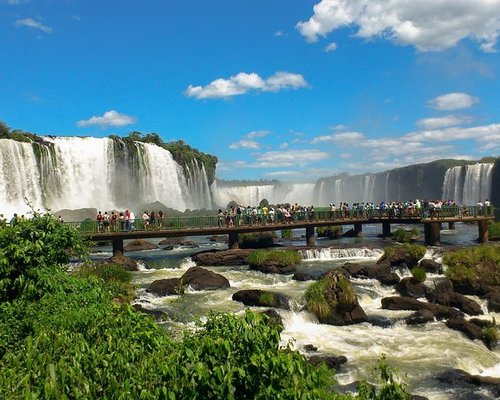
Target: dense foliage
404 236
494 230
415 251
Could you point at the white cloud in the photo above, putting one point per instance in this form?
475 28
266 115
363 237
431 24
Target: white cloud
443 122
31 23
109 118
289 158
245 144
344 138
331 47
480 133
257 134
426 24
243 83
453 101
279 33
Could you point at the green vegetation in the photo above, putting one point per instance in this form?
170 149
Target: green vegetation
419 274
491 336
404 236
387 385
473 263
64 335
286 233
283 257
494 229
321 303
260 240
412 250
266 298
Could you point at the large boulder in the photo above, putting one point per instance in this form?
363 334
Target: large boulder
222 257
333 300
444 295
274 267
262 298
332 362
165 287
402 254
408 303
156 314
431 266
458 378
139 245
381 272
202 279
411 287
127 263
303 276
420 317
493 301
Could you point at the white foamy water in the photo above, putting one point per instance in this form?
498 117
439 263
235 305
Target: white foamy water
330 253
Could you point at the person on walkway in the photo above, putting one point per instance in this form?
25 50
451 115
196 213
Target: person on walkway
220 218
145 220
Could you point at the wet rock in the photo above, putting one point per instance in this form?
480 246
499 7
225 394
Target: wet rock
303 276
202 279
165 287
168 248
337 304
262 298
411 287
459 378
444 295
493 301
418 397
126 262
380 321
472 331
139 245
173 241
156 314
218 238
332 362
229 257
273 318
398 256
380 272
431 266
352 233
274 267
420 317
408 303
310 348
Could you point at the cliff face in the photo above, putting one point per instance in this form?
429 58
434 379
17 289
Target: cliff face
495 188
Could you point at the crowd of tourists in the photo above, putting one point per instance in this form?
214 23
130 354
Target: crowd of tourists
117 221
257 215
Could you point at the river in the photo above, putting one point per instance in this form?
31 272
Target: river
420 351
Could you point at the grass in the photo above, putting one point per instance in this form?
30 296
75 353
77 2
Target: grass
266 298
285 258
472 263
494 229
416 251
419 274
256 241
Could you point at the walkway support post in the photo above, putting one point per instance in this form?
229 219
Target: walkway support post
432 233
451 225
117 247
483 231
386 229
310 239
233 240
358 227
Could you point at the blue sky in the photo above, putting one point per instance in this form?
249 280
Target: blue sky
283 89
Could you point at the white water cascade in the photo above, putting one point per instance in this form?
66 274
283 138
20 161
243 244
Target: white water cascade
330 253
74 172
468 184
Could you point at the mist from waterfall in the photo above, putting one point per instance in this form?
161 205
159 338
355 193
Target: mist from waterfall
468 184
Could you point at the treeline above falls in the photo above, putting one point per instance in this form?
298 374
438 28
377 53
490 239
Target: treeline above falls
114 174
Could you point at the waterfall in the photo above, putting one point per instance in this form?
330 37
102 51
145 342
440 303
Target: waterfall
73 172
452 184
325 254
468 184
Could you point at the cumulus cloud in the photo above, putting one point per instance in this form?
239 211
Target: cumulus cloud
245 144
482 132
31 23
289 158
453 101
243 83
331 47
109 118
443 122
344 138
429 25
257 134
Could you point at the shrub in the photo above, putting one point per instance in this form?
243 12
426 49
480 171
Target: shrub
402 235
332 232
283 257
316 300
473 262
419 274
256 241
286 233
494 229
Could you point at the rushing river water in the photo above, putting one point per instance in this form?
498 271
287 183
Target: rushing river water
420 351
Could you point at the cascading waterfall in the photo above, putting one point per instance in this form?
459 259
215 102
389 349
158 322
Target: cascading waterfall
73 172
468 184
323 254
